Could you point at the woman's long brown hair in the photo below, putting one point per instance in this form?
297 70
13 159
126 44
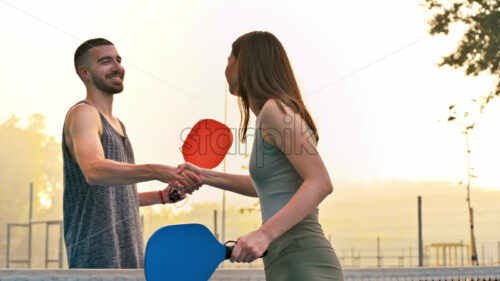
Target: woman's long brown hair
264 72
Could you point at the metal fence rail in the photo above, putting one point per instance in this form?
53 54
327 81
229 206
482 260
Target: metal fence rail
481 273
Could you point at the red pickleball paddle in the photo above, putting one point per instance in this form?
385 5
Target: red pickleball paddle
205 146
207 143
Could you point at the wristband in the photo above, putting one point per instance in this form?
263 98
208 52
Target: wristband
161 196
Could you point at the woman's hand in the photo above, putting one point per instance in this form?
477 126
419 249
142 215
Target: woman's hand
250 247
189 176
191 169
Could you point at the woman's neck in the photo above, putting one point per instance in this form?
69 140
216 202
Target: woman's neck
254 107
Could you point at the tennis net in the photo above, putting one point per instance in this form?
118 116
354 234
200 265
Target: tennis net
480 273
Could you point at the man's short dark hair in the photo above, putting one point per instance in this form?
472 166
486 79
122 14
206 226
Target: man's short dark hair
82 50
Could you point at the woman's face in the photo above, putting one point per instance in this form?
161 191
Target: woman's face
232 73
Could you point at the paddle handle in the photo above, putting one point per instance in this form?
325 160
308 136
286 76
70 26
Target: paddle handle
174 196
229 252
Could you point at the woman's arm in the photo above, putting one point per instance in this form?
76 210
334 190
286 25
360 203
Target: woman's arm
291 136
241 184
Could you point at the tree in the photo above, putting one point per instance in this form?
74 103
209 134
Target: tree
479 49
464 120
28 155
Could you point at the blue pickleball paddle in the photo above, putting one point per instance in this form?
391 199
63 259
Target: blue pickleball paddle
183 252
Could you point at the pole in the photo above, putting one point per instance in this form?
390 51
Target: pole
420 239
352 256
379 258
462 248
471 211
223 234
150 220
215 225
46 245
61 233
498 249
484 255
30 232
8 246
410 263
224 170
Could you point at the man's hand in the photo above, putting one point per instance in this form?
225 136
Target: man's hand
185 182
168 174
189 176
166 192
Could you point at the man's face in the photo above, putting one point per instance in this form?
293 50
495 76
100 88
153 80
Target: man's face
105 69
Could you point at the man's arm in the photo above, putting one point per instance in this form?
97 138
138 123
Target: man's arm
83 129
153 197
150 198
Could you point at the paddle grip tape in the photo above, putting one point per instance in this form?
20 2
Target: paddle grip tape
174 196
229 252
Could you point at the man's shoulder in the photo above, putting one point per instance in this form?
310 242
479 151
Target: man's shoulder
80 117
82 109
81 112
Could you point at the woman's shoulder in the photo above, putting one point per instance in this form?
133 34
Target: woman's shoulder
278 119
275 110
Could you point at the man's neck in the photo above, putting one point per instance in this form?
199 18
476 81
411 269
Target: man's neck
102 101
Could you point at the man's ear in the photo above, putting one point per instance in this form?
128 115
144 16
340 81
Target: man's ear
83 73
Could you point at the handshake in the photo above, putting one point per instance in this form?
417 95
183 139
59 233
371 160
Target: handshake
187 180
206 145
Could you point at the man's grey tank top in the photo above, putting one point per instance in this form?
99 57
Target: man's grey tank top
274 177
102 226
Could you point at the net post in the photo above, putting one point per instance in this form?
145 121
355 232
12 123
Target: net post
420 240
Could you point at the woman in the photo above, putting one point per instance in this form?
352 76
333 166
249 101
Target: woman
286 171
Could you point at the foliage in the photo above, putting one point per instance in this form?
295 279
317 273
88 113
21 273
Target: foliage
27 155
479 49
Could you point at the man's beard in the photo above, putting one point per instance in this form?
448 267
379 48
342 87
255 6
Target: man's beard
109 88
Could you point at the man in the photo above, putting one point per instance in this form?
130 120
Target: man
102 227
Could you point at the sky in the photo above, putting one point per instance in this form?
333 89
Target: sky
367 70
